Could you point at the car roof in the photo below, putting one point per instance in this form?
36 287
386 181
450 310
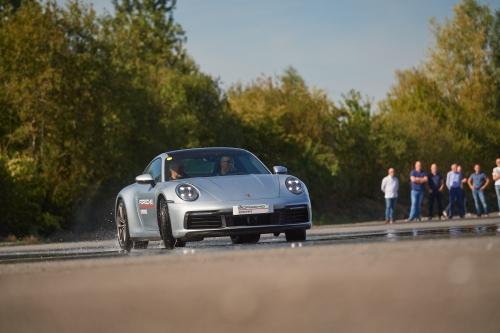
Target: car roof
202 150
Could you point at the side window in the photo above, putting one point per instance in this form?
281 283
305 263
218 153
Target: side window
155 170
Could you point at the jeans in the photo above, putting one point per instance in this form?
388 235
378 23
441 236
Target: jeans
435 195
390 206
456 194
479 195
464 202
416 203
497 189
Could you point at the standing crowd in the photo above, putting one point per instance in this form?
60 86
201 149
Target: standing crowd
434 183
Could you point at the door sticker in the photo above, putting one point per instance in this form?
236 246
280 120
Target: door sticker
146 204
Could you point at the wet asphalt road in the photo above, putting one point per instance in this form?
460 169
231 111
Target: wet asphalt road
427 276
325 235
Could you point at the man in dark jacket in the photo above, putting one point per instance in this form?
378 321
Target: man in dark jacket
435 186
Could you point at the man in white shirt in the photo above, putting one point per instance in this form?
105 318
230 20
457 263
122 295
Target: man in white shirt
390 186
496 178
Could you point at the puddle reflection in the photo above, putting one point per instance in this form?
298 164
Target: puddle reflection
452 232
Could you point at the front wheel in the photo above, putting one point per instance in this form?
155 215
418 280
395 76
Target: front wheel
295 236
245 239
122 227
164 225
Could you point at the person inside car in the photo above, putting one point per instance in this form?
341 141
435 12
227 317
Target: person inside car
177 170
226 165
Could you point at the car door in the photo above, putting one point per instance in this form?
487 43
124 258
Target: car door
146 198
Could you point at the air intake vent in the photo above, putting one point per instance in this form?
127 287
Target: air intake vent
201 220
295 214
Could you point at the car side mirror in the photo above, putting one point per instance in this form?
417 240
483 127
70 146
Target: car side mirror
279 170
145 179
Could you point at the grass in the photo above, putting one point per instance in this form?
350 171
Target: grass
12 240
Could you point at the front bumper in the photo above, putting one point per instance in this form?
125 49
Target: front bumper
195 221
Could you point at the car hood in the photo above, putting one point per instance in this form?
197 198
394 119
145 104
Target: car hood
239 187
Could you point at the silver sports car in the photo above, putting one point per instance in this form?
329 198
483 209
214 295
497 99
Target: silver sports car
188 195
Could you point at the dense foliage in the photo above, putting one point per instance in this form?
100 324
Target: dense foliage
87 101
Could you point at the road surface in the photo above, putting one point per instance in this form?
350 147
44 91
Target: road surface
429 276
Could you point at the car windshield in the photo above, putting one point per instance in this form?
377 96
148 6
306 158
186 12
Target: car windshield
212 163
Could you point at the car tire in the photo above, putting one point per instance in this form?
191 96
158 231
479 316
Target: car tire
164 225
122 231
245 239
141 245
179 243
295 236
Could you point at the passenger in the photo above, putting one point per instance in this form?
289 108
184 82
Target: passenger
177 170
226 165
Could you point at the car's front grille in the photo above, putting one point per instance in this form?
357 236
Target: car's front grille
217 219
253 220
294 214
203 220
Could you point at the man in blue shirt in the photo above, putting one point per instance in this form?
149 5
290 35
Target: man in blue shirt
435 185
477 183
453 181
418 180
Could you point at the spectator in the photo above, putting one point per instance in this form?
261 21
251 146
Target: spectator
418 180
390 186
453 182
435 185
464 198
496 178
477 183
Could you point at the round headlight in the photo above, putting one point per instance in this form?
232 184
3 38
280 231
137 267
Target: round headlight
294 185
186 192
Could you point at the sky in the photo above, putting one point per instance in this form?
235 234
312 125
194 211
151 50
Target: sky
335 45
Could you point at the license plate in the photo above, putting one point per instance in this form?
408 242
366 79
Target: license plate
252 209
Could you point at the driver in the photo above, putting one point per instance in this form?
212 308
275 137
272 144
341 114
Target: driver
177 170
226 165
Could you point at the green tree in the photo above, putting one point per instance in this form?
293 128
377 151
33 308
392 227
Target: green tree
86 101
446 110
356 145
285 120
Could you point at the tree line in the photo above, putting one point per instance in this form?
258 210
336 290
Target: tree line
87 100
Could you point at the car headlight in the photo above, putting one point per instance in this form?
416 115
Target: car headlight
187 192
294 185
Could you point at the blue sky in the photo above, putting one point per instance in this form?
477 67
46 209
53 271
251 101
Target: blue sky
335 45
